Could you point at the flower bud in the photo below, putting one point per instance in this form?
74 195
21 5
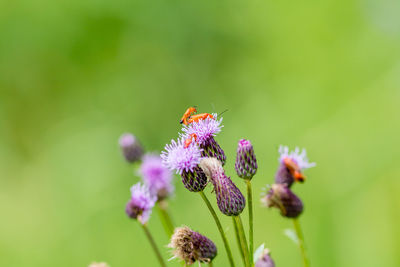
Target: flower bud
246 163
281 197
230 200
191 246
131 148
265 260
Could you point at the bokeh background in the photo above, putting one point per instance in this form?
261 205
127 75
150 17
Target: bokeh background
75 75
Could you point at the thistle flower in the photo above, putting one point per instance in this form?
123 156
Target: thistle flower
281 197
185 162
156 176
265 260
205 130
191 246
291 166
131 148
141 203
99 264
246 163
230 200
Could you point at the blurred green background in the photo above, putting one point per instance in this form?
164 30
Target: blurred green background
75 75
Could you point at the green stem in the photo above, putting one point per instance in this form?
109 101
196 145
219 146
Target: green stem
296 223
153 245
239 242
165 218
250 205
221 231
242 236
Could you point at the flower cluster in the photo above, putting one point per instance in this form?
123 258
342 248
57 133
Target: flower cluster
196 156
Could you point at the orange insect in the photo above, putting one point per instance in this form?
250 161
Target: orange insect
190 139
189 112
294 170
197 117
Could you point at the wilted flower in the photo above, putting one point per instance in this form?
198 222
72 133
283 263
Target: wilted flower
99 264
265 260
246 163
185 161
205 130
131 148
141 203
230 200
191 246
156 176
281 197
291 166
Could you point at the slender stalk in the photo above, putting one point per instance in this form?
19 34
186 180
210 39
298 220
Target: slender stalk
221 231
297 227
165 218
250 205
210 264
153 245
243 238
239 241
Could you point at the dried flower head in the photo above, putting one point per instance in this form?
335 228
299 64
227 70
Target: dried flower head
265 260
281 197
230 200
291 166
191 246
156 176
99 264
246 163
205 131
131 148
141 203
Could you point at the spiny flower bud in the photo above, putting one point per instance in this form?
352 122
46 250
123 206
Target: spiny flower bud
246 163
230 200
265 260
191 246
185 160
131 148
99 264
281 197
141 203
291 166
205 131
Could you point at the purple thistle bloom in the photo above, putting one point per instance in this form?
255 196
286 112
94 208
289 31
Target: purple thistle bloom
156 176
230 200
178 158
131 147
185 162
205 131
141 203
281 197
191 246
246 163
291 166
265 260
